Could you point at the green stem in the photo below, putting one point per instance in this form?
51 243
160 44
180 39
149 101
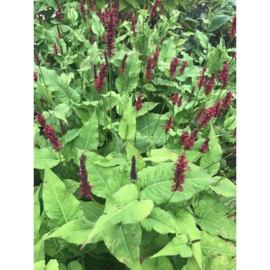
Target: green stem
169 201
197 158
148 114
110 87
216 162
42 76
136 131
159 116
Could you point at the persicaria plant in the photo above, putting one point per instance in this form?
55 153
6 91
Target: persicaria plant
134 135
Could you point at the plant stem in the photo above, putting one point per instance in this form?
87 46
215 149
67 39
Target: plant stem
169 200
136 131
197 158
42 76
159 116
216 162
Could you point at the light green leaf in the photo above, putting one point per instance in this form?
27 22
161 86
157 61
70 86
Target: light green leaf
203 39
39 254
178 245
45 157
61 112
160 221
39 265
37 217
214 60
230 123
223 262
132 151
52 265
92 210
97 26
71 185
214 245
124 207
74 265
129 80
59 205
218 21
123 242
161 155
74 232
161 263
156 183
168 50
62 91
147 106
225 188
210 160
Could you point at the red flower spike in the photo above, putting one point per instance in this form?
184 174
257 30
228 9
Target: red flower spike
169 124
58 13
209 114
234 55
133 173
153 12
132 19
185 135
217 108
35 77
82 9
36 56
95 72
233 28
179 103
148 70
123 65
179 173
183 67
55 49
205 146
92 5
175 98
117 5
111 22
50 132
59 32
62 128
155 57
200 113
189 141
122 14
224 75
138 103
85 187
210 84
227 100
201 79
234 150
173 67
100 80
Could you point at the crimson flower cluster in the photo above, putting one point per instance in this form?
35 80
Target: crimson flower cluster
200 113
100 80
176 100
111 22
122 15
37 59
92 5
138 103
153 12
227 100
213 111
58 14
82 9
91 35
55 49
85 187
210 84
148 70
132 19
205 146
169 124
201 79
179 173
59 32
155 57
189 141
133 173
173 67
233 28
35 77
50 132
217 108
183 67
123 65
224 75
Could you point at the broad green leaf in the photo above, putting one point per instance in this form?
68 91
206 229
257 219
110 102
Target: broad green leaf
61 111
62 266
124 207
45 157
72 15
178 245
71 185
161 263
59 205
97 26
71 135
132 151
92 210
74 232
211 159
160 221
230 123
127 127
74 265
88 138
218 21
214 60
62 91
39 265
37 217
168 50
214 245
147 106
52 265
123 242
193 265
156 183
39 254
223 262
128 81
187 225
97 175
203 39
161 155
225 188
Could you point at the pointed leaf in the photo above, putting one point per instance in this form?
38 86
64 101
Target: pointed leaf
157 264
52 265
45 157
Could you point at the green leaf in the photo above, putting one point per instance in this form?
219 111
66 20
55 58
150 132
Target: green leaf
225 188
211 159
203 39
74 265
214 61
187 225
161 155
124 207
156 183
97 26
37 217
45 157
39 254
214 246
88 137
132 151
72 15
71 185
218 21
123 242
61 112
129 80
127 127
168 50
92 210
178 245
230 123
74 232
59 205
160 221
62 91
223 262
52 265
147 106
161 263
39 265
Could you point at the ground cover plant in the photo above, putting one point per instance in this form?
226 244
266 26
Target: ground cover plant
134 135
